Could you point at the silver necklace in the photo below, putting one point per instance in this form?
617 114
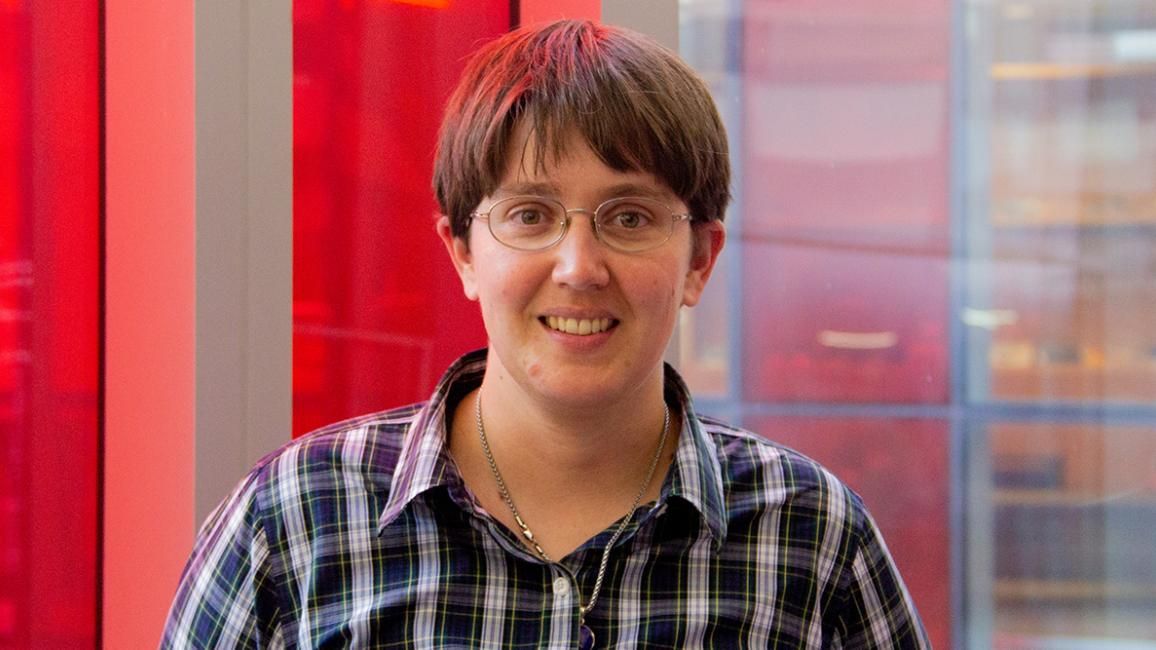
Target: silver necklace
586 635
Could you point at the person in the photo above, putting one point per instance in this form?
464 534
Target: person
558 489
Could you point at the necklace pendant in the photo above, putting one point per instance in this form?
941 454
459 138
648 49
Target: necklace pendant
585 638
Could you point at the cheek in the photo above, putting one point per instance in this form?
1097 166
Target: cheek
660 295
498 281
505 291
673 282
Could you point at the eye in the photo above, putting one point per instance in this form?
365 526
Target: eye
523 213
629 217
530 216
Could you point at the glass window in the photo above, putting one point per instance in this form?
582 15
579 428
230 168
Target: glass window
1059 222
828 327
1063 204
940 281
1064 514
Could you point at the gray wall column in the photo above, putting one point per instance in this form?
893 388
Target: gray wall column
244 122
655 18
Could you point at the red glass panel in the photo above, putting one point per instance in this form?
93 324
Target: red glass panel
900 468
846 119
49 293
844 224
377 308
838 324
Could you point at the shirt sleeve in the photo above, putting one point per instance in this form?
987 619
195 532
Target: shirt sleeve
225 598
875 609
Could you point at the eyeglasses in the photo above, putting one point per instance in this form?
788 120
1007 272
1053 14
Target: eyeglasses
630 224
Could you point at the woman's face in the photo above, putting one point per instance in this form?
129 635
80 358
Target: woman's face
624 305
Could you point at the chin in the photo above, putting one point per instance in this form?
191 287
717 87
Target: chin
585 386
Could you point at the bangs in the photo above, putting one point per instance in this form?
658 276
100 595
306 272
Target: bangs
548 135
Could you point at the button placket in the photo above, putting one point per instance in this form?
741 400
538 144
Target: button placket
561 586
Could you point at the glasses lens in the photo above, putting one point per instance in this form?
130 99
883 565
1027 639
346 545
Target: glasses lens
527 222
634 224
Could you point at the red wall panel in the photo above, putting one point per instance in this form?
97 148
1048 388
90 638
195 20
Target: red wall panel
150 388
49 305
378 311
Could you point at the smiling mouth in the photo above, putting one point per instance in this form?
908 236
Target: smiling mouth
579 326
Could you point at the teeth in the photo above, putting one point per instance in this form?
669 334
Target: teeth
579 326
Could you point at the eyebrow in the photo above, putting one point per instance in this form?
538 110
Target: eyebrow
614 191
638 189
535 189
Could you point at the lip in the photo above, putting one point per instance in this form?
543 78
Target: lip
575 326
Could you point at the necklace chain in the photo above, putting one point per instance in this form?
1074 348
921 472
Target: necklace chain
529 535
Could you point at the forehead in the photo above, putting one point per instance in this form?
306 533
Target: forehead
569 167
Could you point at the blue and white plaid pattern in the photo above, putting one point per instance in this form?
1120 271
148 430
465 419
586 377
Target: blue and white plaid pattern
363 535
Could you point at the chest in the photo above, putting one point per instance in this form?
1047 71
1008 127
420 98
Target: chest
434 582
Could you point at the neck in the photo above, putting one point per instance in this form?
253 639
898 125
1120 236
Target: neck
580 440
570 471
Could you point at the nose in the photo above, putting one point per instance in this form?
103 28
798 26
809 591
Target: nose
580 259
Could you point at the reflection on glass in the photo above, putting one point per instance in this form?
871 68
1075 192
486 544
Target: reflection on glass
1073 510
1065 97
841 155
1061 222
843 325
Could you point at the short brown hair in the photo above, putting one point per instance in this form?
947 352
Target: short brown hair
638 106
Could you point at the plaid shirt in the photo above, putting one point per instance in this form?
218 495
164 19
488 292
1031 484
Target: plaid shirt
363 534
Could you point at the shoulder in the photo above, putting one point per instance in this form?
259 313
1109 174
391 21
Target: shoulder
827 546
359 453
759 474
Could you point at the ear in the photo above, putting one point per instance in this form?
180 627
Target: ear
708 242
459 252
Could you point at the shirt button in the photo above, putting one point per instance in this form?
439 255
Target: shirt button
561 586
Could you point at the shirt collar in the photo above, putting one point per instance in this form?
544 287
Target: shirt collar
424 461
696 476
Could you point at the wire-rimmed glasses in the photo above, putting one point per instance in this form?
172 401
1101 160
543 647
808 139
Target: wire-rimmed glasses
630 224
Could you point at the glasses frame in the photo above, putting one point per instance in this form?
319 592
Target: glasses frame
484 215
